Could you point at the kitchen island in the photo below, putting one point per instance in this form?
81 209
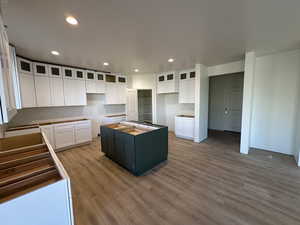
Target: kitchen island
138 147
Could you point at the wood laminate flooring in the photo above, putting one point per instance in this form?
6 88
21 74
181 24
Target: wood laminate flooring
208 183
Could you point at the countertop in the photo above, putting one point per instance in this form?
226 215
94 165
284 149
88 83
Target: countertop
188 116
116 115
38 124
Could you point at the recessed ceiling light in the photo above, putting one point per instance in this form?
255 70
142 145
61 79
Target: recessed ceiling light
105 64
72 20
54 52
136 70
171 60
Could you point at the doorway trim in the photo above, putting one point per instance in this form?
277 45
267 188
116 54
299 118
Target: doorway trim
202 91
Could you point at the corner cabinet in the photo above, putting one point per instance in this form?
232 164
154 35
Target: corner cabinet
187 86
167 82
116 88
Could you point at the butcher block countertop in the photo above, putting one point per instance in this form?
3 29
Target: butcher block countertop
117 115
37 125
188 116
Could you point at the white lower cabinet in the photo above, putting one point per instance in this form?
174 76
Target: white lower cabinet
27 89
83 132
57 91
42 90
184 126
69 134
64 135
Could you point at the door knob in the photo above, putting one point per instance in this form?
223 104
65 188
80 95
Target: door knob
226 110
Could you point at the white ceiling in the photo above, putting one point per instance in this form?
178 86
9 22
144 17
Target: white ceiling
143 34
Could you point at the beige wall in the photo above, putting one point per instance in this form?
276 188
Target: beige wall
275 102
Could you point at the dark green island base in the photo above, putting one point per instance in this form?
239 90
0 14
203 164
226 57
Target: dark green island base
138 147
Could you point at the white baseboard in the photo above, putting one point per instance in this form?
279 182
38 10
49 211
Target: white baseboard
184 137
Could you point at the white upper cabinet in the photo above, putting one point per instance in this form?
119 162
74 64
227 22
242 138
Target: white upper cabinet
122 89
27 83
42 90
187 86
40 69
79 74
42 84
74 92
100 83
27 90
90 81
24 66
115 92
55 71
68 73
57 91
167 82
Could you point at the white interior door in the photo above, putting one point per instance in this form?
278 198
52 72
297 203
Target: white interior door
226 97
132 105
233 103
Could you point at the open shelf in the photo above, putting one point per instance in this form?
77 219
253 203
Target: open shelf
25 165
